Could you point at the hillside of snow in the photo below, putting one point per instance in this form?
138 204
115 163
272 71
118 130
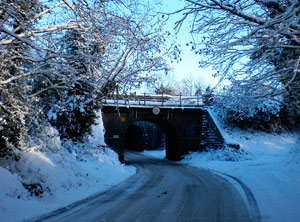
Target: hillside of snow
44 180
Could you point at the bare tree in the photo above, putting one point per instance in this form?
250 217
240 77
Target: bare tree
253 43
168 84
164 83
138 50
190 86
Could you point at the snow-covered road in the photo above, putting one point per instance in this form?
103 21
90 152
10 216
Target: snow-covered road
162 191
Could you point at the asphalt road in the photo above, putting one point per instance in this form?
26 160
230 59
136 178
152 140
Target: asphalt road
164 191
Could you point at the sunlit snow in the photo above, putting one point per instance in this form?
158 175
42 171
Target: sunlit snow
66 175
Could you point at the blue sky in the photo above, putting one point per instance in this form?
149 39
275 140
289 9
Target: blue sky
189 64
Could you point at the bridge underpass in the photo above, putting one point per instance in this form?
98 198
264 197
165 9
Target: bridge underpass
184 128
153 134
144 135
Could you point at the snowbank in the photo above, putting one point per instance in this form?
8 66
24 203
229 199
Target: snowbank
57 178
268 164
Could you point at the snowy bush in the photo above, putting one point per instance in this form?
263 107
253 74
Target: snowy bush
73 119
228 154
47 164
40 157
225 154
41 173
266 114
243 111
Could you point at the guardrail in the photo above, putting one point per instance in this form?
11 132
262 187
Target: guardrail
152 100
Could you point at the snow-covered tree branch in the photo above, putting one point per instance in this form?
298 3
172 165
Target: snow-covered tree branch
61 55
253 43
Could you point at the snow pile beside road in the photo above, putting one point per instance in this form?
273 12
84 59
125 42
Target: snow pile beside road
269 164
42 181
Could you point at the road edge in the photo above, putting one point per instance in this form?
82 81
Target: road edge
252 203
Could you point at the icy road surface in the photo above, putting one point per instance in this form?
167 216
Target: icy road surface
163 191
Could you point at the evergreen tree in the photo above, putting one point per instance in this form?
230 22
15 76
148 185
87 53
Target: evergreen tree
76 106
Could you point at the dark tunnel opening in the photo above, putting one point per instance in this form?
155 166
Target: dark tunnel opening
152 135
134 138
144 135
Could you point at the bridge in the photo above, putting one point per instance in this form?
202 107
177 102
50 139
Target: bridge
179 123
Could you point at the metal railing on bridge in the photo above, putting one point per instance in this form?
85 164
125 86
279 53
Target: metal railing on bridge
144 99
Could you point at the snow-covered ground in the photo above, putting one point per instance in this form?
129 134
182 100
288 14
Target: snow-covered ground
269 164
73 172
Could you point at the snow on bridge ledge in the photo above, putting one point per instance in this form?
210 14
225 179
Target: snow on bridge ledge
148 101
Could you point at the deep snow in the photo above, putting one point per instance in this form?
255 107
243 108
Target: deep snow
71 173
269 164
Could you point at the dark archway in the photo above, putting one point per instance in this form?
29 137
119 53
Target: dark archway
153 135
133 138
144 135
171 137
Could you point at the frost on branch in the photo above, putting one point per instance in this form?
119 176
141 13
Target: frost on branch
248 111
62 57
256 42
